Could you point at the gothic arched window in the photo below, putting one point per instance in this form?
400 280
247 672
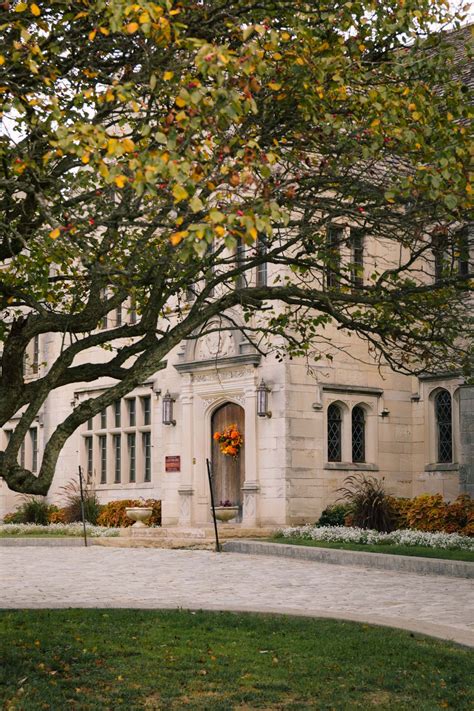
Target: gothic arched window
444 426
334 433
358 434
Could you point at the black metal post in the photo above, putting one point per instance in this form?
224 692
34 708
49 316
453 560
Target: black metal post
209 475
82 507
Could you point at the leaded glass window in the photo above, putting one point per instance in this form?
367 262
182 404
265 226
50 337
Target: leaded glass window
443 410
358 434
334 433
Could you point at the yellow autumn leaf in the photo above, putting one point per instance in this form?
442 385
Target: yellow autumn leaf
180 193
168 75
253 233
86 158
35 10
131 27
411 107
92 35
181 116
375 123
144 18
180 102
21 7
120 180
274 86
2 59
54 234
219 230
177 237
416 116
128 145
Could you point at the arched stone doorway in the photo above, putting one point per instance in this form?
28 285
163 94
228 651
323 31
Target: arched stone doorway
228 473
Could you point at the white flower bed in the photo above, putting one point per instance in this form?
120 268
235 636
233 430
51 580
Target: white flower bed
404 537
57 529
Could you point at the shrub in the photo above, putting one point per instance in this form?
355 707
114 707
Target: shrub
32 510
334 515
429 512
73 511
57 515
369 504
400 507
113 514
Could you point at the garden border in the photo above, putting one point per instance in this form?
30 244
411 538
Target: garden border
384 561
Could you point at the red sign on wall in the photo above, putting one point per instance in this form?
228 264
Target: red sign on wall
173 464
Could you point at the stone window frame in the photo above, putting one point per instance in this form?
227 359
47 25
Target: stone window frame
346 404
111 432
451 385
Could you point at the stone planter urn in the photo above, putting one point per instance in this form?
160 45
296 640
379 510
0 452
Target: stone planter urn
139 514
226 513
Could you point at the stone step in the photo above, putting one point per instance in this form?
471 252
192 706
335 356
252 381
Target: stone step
225 531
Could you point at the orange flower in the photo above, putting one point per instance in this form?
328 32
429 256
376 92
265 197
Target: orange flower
217 435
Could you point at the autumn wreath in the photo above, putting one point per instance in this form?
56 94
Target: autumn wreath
230 441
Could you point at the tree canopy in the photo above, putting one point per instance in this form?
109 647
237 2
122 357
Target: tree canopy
153 149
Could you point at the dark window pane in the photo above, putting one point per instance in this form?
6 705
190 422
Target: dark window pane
333 244
132 457
334 434
146 438
132 415
357 256
103 458
117 458
117 418
444 426
146 401
358 434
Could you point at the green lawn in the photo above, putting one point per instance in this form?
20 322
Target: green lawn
97 660
421 551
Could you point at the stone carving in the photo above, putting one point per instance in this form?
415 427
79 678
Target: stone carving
215 345
221 375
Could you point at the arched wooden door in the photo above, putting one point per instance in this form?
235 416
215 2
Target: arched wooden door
228 473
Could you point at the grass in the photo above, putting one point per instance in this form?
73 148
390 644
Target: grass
96 660
421 551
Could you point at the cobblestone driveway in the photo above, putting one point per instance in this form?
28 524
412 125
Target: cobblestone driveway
155 578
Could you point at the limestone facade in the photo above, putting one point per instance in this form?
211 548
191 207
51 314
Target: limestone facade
289 471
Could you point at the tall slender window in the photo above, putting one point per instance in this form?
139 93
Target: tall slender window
35 354
103 419
261 272
132 457
22 454
89 458
241 282
132 413
90 423
333 244
133 311
462 247
334 433
117 440
117 418
358 434
444 426
34 448
146 440
357 256
146 403
103 458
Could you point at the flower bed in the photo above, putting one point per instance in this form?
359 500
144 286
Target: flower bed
402 537
56 529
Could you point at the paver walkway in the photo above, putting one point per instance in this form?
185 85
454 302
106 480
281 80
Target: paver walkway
46 577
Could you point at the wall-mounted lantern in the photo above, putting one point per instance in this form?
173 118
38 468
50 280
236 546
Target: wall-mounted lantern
262 400
167 412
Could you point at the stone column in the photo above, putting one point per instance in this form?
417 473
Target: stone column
186 488
250 488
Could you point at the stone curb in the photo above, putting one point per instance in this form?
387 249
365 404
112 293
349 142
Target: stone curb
47 541
384 561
